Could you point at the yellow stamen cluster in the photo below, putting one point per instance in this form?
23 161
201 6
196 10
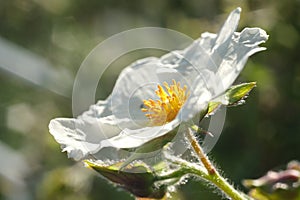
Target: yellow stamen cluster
167 107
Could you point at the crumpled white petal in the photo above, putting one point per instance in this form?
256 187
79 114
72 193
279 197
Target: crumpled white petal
80 137
132 138
135 83
72 140
225 53
243 45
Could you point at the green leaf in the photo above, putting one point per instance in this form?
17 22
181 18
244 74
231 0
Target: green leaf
136 178
237 93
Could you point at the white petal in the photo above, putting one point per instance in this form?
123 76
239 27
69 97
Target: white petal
130 138
242 46
200 95
139 82
198 55
81 137
136 83
181 65
100 109
229 27
224 54
72 141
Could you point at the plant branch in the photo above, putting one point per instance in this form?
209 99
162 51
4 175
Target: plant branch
191 168
199 151
211 174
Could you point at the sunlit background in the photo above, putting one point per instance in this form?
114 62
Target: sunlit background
43 42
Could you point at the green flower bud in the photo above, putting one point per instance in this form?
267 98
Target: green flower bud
136 178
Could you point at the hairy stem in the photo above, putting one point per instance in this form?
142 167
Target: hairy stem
198 150
212 174
191 168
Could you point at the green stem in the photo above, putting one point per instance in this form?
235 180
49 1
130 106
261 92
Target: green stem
201 155
208 172
226 187
216 178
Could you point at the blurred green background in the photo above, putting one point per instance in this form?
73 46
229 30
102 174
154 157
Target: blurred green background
43 42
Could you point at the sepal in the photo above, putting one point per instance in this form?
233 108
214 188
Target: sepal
137 178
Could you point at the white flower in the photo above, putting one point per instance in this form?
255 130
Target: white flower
193 76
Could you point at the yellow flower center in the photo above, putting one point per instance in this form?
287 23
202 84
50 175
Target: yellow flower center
170 101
